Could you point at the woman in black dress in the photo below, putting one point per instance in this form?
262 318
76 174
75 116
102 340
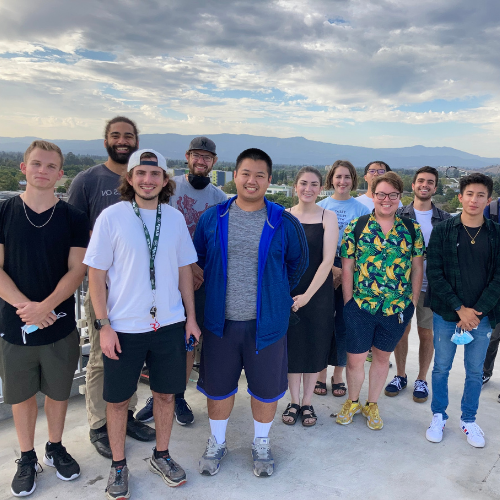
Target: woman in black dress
311 327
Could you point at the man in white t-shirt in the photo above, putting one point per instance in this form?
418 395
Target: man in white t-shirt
372 170
142 252
422 210
194 194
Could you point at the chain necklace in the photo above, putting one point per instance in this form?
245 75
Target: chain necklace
34 225
473 239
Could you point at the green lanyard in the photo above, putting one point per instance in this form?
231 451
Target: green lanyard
153 247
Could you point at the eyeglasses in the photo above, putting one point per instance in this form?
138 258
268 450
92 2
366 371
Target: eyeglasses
203 158
379 171
383 196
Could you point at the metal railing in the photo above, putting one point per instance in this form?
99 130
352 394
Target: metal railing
81 326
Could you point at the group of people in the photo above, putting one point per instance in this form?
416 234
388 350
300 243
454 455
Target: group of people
282 294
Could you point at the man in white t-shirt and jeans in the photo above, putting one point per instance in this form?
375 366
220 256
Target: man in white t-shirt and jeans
422 210
142 251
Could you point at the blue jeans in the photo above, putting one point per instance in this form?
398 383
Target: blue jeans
444 353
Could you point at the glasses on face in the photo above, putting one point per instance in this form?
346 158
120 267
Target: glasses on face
383 196
203 158
379 171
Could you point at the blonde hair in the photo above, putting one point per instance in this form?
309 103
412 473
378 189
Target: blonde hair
44 146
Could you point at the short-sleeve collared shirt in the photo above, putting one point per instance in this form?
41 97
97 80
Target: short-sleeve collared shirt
383 265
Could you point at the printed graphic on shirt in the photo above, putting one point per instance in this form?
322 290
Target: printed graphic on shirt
185 204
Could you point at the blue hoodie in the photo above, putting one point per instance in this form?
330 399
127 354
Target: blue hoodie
283 259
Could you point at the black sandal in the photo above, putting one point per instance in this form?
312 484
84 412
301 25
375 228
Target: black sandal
288 413
339 387
311 415
320 386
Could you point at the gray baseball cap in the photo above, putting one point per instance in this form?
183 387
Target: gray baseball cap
203 143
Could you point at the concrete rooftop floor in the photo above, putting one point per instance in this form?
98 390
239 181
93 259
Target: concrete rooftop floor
325 461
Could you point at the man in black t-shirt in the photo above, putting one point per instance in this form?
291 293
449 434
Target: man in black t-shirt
463 271
42 245
92 191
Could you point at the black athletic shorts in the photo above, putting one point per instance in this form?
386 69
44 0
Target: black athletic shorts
164 353
222 360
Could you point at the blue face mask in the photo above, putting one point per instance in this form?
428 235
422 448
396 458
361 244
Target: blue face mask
26 329
461 337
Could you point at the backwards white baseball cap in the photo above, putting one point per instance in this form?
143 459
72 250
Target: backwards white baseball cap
135 159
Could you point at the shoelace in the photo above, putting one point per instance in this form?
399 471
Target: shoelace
373 412
183 407
212 448
119 479
397 382
436 424
27 466
171 463
149 403
420 386
62 455
262 451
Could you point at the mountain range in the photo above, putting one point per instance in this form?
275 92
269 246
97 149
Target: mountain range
289 151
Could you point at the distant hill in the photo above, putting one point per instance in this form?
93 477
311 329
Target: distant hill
289 151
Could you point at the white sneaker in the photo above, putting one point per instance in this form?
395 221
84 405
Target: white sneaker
475 436
434 433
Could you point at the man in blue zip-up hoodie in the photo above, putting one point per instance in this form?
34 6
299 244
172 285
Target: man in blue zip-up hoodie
253 253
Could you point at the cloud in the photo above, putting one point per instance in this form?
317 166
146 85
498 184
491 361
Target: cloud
270 68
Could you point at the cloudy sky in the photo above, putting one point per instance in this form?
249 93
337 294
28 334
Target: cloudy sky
376 73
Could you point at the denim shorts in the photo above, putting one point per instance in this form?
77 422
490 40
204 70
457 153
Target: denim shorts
365 330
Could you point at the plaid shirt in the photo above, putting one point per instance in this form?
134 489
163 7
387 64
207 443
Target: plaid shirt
383 265
443 272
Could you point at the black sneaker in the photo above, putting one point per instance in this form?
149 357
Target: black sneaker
486 378
396 385
24 482
183 412
66 466
146 414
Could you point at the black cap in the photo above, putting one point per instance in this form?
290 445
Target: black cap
202 143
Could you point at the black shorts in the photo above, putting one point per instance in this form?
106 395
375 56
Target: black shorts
164 353
222 360
365 330
50 369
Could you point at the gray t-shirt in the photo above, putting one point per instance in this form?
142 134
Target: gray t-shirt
93 190
245 230
193 202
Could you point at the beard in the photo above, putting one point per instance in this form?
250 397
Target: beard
121 158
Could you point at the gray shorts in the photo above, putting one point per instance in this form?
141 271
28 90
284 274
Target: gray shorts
26 370
424 314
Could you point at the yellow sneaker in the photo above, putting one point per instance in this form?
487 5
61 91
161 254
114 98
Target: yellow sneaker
346 414
373 420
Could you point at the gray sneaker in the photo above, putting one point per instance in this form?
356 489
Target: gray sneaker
170 471
263 461
118 483
209 463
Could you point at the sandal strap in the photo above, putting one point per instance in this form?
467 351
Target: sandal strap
288 413
310 409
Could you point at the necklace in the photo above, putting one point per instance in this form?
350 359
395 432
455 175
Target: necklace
473 240
34 225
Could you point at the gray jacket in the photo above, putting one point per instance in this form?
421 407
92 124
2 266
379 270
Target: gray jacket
438 215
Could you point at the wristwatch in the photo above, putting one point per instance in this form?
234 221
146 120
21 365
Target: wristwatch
99 323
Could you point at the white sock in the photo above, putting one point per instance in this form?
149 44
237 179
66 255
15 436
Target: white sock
261 430
218 428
